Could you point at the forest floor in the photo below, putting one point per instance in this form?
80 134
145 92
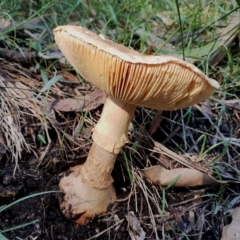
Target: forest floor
48 112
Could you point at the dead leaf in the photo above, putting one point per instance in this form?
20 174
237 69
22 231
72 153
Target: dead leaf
18 56
160 148
191 219
207 108
217 47
227 37
33 35
53 55
187 177
70 77
152 38
233 103
4 23
164 17
232 231
134 227
165 161
85 103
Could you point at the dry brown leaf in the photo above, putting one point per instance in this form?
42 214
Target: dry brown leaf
157 40
70 77
134 227
33 35
55 54
227 37
91 101
232 231
233 103
187 177
160 148
18 56
4 23
207 108
164 17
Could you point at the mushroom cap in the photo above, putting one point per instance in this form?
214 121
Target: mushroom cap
160 82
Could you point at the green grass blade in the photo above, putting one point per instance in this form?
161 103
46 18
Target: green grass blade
2 237
48 85
18 226
2 208
172 182
181 29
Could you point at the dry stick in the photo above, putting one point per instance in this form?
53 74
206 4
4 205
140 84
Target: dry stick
48 146
170 136
174 142
154 225
99 234
197 205
126 198
178 158
186 201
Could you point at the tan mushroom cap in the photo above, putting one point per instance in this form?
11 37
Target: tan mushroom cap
159 82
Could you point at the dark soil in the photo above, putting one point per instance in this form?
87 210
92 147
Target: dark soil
52 223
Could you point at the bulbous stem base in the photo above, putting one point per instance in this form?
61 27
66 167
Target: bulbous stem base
82 202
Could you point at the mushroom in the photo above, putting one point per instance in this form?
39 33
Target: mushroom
130 79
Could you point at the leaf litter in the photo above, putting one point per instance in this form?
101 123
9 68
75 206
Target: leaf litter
185 177
134 227
232 231
88 102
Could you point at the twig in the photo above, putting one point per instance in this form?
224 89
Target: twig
99 234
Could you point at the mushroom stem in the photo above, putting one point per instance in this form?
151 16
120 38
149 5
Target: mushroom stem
88 188
110 132
109 136
97 169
